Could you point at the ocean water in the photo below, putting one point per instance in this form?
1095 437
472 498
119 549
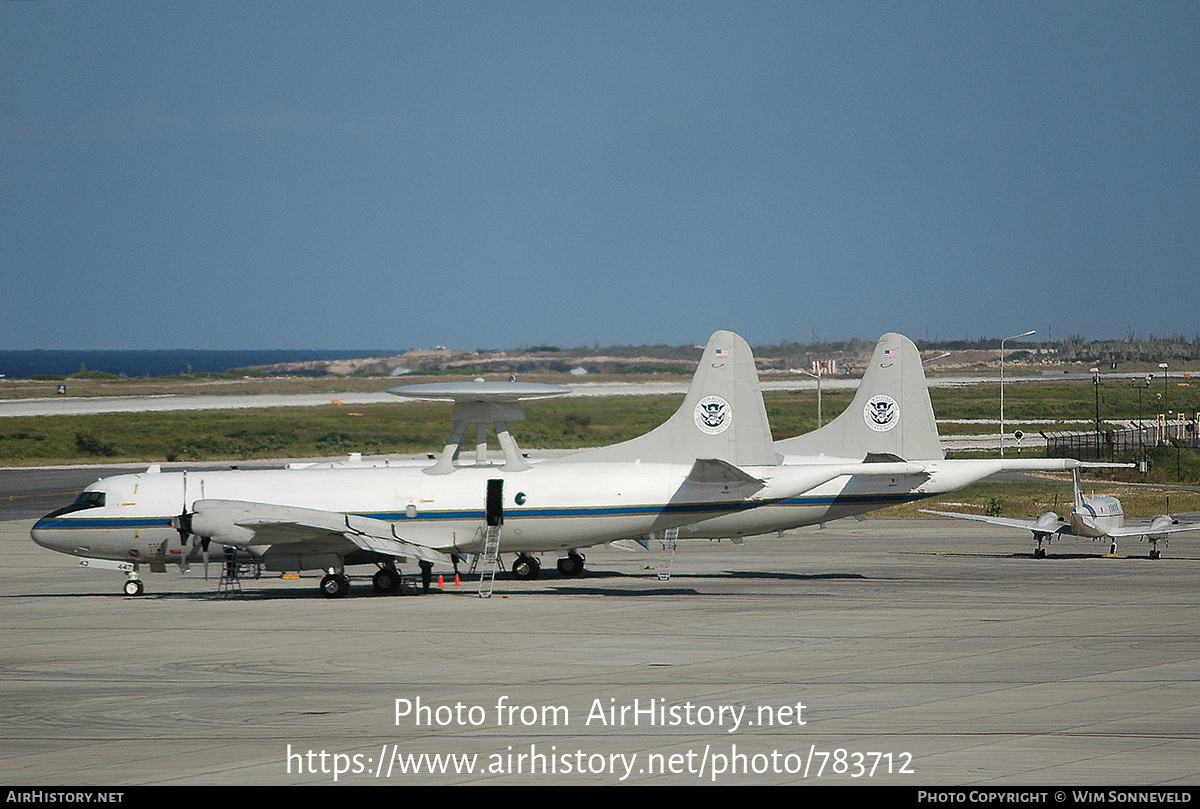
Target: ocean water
161 363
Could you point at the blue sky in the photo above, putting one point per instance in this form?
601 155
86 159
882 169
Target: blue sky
491 174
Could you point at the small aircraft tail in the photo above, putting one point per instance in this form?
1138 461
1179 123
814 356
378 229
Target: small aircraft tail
891 414
721 418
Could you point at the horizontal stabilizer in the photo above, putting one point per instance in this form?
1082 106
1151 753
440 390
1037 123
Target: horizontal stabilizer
714 470
880 469
1152 529
631 544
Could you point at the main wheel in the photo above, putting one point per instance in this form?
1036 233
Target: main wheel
386 580
526 568
134 587
334 585
570 565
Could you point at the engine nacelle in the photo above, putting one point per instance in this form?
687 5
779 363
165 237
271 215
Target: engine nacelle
1160 523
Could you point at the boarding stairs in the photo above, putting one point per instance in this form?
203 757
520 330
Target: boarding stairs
230 583
488 560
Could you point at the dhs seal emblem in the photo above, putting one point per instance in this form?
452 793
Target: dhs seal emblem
713 415
881 413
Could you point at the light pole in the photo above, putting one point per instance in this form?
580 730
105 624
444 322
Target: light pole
1160 428
1095 372
1178 449
816 376
1002 342
1140 385
1166 404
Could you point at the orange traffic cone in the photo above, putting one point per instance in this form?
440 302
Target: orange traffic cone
441 582
457 581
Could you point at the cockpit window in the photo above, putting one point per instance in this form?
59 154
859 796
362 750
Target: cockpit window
84 500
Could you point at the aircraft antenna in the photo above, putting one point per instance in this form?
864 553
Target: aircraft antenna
481 403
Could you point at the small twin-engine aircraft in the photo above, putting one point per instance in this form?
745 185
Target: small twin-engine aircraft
713 457
1095 517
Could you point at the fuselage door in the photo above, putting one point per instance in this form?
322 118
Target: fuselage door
495 502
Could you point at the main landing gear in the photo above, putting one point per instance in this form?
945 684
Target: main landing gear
387 580
335 584
526 568
571 565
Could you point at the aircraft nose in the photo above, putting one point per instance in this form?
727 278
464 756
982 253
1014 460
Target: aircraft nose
46 534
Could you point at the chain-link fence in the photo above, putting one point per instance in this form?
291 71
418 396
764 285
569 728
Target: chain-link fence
1108 445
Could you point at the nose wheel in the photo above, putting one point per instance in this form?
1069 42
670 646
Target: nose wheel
134 587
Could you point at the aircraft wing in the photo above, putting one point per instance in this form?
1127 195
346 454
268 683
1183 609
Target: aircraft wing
1038 526
1158 527
241 524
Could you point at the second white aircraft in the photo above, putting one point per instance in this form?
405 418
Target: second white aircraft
713 457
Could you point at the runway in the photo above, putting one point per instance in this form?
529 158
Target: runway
933 647
90 405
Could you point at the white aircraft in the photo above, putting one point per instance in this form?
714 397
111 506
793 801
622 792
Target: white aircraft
714 456
890 420
1096 517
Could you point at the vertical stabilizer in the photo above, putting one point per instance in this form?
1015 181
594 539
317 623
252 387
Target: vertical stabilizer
722 416
891 414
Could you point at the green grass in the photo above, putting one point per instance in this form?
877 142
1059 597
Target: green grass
403 428
408 428
1060 400
223 434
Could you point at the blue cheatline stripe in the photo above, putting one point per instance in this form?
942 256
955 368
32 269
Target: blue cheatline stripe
106 522
699 509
